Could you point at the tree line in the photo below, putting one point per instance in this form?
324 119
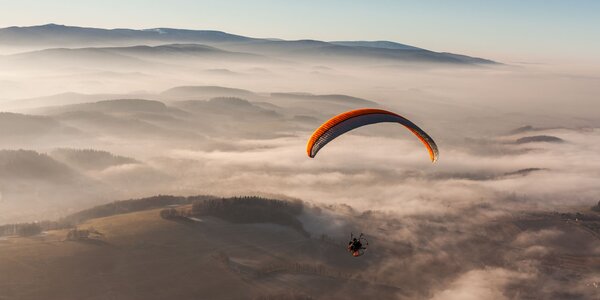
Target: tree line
33 228
251 209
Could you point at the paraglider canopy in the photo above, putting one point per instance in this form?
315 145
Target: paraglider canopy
353 119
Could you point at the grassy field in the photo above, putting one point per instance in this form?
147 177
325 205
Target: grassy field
142 256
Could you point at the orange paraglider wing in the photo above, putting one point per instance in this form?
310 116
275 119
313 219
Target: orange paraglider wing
353 119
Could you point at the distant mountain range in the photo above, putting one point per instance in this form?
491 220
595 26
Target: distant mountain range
61 36
207 42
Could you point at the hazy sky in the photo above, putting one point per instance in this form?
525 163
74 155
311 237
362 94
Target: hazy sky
533 30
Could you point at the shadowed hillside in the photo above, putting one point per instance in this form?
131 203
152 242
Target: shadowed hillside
90 159
30 165
204 92
18 129
539 139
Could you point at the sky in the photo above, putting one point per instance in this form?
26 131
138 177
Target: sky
532 31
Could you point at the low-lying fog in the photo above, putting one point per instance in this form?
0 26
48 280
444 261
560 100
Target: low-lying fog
196 141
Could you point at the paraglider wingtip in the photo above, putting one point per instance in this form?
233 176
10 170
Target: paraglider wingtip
434 158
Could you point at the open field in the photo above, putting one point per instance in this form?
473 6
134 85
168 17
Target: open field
142 256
